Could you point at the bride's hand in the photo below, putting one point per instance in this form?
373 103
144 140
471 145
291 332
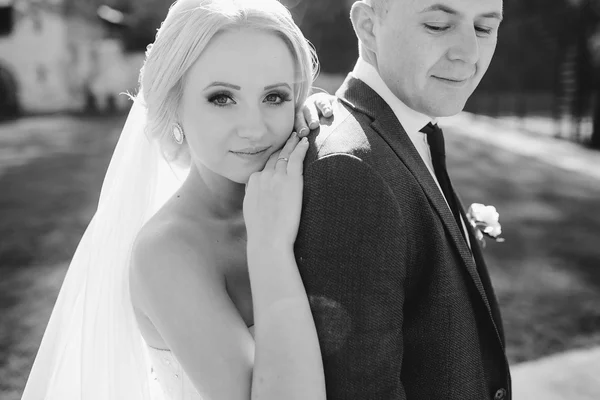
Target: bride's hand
308 117
273 200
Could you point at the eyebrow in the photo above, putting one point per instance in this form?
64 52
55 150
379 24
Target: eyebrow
225 84
236 87
448 10
277 85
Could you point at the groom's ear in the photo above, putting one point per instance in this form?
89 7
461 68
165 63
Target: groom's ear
363 17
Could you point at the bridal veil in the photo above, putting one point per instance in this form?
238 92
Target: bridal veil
92 348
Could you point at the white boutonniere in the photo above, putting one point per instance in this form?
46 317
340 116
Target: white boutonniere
484 220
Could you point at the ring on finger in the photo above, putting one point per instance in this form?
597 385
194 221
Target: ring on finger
283 159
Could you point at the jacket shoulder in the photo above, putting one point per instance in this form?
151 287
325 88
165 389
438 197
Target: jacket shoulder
348 131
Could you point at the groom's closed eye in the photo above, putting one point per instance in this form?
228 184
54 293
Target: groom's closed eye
437 28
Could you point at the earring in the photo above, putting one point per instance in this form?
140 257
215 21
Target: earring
178 134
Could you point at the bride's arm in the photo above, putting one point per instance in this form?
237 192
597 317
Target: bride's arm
288 363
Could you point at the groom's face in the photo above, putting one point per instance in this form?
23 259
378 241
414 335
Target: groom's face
433 53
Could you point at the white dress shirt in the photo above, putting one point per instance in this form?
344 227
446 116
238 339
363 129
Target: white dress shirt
412 121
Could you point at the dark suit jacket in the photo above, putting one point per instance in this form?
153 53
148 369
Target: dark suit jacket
403 308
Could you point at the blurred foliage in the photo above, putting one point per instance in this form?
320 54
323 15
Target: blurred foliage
531 42
326 24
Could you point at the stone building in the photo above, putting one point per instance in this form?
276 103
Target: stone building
52 60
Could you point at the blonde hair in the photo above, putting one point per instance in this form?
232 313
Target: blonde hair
185 33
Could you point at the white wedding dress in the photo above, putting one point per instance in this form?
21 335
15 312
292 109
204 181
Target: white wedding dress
168 379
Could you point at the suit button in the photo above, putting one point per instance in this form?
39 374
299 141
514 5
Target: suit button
500 394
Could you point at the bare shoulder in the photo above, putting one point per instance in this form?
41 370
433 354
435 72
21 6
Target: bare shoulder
163 235
167 258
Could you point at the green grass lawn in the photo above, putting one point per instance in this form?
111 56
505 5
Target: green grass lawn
546 274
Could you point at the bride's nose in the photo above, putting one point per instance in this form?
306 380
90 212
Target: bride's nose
252 124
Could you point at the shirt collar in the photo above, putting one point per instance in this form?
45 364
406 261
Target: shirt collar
411 120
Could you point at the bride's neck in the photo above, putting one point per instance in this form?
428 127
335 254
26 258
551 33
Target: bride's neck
221 197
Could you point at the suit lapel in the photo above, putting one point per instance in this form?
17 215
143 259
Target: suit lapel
483 274
361 97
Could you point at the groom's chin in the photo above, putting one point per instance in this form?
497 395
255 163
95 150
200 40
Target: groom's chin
451 111
445 109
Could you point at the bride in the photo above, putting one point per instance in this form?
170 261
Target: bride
184 285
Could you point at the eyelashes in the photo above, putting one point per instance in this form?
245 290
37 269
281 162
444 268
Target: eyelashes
483 30
282 96
436 28
226 98
221 99
444 28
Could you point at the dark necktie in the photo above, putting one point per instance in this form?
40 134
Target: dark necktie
435 139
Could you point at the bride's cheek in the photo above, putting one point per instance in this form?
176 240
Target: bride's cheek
281 121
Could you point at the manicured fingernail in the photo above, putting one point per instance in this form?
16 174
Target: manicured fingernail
304 140
304 129
294 135
314 125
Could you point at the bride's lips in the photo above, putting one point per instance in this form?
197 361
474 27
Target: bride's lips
250 153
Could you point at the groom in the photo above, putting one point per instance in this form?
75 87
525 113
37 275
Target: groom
399 290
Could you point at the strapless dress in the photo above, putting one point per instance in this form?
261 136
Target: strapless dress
168 380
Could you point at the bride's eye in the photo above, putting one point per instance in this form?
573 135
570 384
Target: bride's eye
221 99
277 98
